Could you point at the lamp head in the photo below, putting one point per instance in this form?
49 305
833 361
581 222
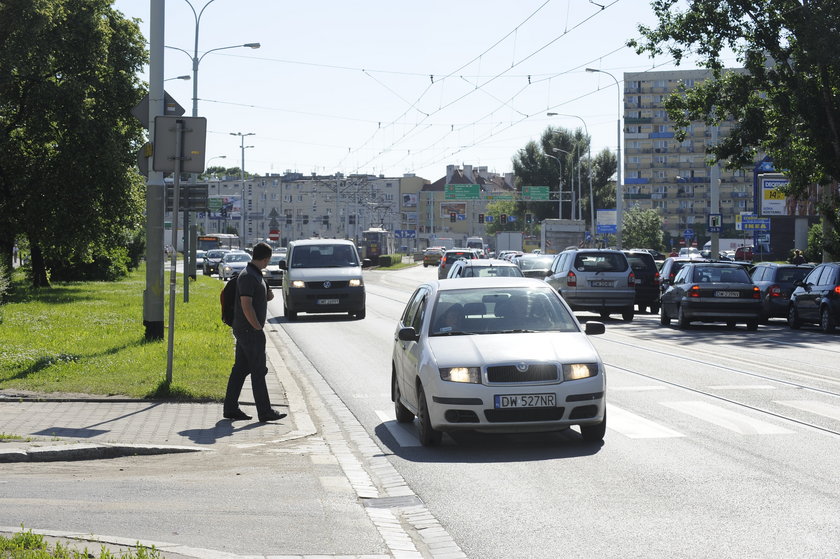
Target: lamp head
252 45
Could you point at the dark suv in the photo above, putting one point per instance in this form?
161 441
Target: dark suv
776 282
670 267
816 299
647 279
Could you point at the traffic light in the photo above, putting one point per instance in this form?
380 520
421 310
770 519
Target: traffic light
503 218
481 218
453 217
529 218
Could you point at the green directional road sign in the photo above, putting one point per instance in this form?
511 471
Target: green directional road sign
461 192
535 193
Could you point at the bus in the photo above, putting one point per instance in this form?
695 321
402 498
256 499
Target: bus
217 240
376 242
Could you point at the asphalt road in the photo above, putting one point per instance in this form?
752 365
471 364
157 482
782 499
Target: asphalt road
720 442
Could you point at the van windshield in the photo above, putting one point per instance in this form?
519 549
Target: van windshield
324 256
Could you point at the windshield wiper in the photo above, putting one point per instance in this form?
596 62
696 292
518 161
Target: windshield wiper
452 333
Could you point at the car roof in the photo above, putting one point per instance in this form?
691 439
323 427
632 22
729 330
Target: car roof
488 282
487 262
302 242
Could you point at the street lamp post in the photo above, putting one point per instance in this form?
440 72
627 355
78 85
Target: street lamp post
619 187
572 183
560 187
196 60
242 175
589 156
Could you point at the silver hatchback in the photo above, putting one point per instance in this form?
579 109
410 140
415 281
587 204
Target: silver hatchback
595 280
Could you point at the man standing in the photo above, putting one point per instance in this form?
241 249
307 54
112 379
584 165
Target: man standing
250 311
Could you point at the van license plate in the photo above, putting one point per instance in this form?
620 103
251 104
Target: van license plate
601 283
327 301
525 400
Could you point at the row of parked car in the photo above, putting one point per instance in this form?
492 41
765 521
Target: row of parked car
683 289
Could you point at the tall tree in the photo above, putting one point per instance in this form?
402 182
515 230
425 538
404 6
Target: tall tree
787 101
68 141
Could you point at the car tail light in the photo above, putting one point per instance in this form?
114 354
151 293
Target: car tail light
694 291
631 279
571 280
656 279
837 289
774 291
756 292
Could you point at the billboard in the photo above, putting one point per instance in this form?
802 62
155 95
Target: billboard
460 208
409 200
224 207
772 200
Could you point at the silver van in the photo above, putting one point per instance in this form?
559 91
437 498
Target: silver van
323 276
595 280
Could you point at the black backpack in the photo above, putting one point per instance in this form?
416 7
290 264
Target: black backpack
228 300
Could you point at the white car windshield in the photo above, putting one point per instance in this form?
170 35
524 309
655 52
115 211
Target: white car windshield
324 256
499 310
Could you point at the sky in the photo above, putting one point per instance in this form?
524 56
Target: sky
389 87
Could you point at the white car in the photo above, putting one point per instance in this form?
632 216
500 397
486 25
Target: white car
496 354
232 263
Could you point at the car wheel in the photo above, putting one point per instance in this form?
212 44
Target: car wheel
627 314
291 316
428 435
664 319
654 309
641 308
752 325
594 433
358 314
827 323
682 319
403 414
730 324
793 318
425 265
604 315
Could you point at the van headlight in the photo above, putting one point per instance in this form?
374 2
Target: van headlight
355 282
298 283
577 371
461 374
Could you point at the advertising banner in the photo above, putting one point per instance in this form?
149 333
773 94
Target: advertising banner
224 207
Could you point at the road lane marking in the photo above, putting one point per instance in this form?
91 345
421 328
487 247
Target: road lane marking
404 433
637 427
813 406
743 387
722 417
636 388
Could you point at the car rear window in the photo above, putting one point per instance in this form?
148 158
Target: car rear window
790 275
601 262
640 263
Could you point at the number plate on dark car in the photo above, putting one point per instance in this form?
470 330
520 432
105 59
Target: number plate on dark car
727 294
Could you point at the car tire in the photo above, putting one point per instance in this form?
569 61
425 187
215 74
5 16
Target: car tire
793 318
358 315
627 314
427 434
403 414
682 320
664 319
827 323
425 265
654 309
641 309
291 316
604 315
752 325
594 433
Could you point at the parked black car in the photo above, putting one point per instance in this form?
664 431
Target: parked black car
816 299
647 279
776 282
711 292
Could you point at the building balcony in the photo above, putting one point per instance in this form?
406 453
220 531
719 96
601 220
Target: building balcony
637 196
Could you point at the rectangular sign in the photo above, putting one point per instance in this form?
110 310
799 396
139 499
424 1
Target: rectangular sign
773 201
193 132
192 197
535 193
461 192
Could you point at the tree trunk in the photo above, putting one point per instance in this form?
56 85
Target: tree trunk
39 271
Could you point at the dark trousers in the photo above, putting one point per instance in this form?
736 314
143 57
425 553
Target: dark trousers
250 359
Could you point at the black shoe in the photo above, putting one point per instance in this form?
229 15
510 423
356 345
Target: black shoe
272 415
238 414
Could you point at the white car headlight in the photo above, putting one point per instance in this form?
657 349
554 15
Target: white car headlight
461 374
355 283
576 371
298 283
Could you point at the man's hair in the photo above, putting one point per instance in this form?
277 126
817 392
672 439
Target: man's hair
261 251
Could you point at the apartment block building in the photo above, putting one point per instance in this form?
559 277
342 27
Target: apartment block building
669 176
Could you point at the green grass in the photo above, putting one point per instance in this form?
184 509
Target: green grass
26 545
88 337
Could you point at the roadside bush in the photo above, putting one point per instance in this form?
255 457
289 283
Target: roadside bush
386 260
816 244
109 265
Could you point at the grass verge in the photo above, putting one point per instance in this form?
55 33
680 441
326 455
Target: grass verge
26 545
89 337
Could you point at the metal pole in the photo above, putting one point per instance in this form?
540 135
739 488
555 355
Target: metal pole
619 187
176 194
153 294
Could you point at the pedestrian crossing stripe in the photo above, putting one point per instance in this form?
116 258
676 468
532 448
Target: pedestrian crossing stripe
635 426
813 406
728 419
